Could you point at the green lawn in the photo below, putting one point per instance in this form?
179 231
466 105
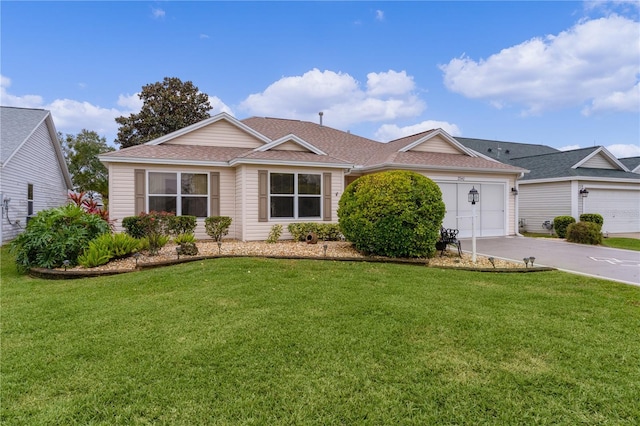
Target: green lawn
269 342
622 243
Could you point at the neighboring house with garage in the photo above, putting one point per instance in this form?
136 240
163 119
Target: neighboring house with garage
586 180
267 171
34 174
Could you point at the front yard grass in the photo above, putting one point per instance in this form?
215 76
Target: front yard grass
622 243
264 341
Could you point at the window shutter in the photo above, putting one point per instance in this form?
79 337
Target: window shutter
214 194
263 195
326 195
139 191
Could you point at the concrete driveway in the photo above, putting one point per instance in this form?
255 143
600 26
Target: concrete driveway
601 262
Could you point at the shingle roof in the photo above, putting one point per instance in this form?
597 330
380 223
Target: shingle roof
630 162
367 152
16 125
341 145
505 151
559 164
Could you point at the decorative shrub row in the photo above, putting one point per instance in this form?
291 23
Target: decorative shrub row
55 235
163 222
324 231
393 214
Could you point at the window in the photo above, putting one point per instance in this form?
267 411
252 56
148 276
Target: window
295 195
29 201
189 198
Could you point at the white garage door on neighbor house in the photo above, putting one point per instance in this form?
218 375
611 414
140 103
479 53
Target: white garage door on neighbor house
620 208
490 211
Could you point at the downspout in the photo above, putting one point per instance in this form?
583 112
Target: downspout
517 206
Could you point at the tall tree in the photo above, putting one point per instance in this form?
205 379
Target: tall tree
81 152
167 106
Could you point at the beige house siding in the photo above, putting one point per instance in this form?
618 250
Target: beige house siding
221 133
122 195
598 161
540 202
259 231
290 146
437 144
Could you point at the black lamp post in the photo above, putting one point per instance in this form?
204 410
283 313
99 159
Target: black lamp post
474 197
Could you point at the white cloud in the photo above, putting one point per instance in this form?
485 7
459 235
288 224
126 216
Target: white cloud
339 96
389 132
157 13
204 36
26 101
389 83
624 150
130 102
379 15
595 62
569 147
616 101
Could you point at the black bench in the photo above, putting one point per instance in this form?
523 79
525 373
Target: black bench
448 237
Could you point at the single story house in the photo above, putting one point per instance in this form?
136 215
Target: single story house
586 180
33 171
265 171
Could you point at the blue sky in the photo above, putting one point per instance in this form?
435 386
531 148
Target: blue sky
564 74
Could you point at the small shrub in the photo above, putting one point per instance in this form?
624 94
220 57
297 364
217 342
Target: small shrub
274 234
593 218
324 231
188 249
55 235
177 225
217 226
395 214
584 233
560 224
121 245
98 253
133 226
184 238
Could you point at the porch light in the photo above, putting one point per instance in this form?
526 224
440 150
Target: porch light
514 191
584 192
474 196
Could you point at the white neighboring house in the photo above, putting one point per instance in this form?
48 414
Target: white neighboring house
33 171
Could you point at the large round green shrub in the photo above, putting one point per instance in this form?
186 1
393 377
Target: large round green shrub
394 214
560 224
56 235
592 217
584 233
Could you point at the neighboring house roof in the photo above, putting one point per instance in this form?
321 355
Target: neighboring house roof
505 151
632 163
17 125
574 163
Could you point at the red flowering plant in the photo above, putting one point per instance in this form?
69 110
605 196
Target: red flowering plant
89 204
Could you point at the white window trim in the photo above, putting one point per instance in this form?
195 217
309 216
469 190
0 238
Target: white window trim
295 196
178 194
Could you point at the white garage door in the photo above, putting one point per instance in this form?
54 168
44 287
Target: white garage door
490 211
620 208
